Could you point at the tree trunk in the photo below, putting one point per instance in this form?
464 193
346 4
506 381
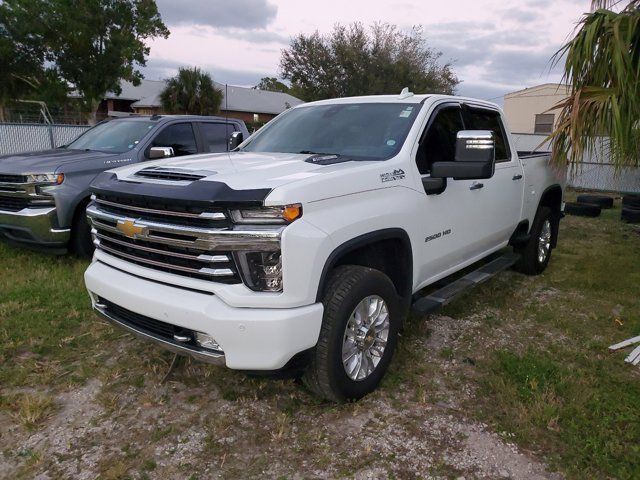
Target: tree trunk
2 117
93 114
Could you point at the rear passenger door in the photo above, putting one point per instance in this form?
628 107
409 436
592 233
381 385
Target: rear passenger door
215 136
501 195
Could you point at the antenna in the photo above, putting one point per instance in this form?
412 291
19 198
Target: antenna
226 112
405 93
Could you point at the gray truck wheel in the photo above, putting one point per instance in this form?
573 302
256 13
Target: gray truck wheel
81 241
535 254
362 314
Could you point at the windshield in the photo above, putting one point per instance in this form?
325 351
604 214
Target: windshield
114 137
362 131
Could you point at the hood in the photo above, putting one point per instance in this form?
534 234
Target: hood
275 178
239 170
47 161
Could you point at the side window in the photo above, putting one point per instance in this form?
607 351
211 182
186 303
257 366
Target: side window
180 137
439 142
478 119
216 136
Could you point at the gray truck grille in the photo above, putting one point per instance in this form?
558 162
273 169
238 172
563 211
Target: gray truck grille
13 204
6 178
167 238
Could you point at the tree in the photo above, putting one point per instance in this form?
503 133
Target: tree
22 53
192 92
602 69
272 84
92 45
355 61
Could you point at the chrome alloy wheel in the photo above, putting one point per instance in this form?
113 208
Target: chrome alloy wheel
365 337
544 241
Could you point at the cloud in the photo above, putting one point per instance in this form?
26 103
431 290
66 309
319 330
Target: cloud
159 69
245 14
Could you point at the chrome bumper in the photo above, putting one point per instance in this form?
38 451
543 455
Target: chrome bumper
200 355
33 225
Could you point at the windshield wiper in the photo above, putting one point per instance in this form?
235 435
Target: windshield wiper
310 152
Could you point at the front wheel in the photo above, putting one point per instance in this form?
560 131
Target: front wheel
81 241
536 253
362 315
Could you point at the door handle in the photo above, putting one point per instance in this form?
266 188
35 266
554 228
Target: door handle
516 177
476 186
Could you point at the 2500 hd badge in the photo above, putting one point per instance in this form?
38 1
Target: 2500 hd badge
438 235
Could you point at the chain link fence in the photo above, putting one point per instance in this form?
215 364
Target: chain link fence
30 137
595 172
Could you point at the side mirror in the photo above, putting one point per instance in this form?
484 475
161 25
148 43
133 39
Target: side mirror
160 152
474 160
235 139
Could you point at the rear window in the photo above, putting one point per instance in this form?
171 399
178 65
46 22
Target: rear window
480 119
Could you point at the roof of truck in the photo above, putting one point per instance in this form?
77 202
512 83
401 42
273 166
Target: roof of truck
407 97
161 118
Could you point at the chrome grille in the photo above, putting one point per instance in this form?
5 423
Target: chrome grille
157 210
161 250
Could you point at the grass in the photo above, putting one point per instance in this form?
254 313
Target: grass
532 352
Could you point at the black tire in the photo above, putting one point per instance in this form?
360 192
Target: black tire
582 209
529 262
81 241
631 201
630 215
601 200
347 287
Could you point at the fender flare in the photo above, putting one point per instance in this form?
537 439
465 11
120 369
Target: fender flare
362 241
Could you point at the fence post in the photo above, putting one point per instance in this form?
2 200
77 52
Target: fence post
53 143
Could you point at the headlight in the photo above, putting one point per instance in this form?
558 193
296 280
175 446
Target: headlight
45 178
261 271
267 215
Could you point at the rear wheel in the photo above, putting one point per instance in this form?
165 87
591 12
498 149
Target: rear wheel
81 240
362 315
535 254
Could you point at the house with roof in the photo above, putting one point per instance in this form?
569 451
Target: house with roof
248 104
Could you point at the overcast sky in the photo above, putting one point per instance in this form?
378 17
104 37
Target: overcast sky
495 46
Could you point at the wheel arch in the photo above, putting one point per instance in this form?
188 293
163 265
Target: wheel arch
388 250
552 198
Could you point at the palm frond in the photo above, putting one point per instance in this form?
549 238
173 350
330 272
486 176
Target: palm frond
602 69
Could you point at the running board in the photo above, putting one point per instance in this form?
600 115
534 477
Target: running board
446 294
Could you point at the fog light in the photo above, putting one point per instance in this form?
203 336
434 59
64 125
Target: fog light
207 341
261 271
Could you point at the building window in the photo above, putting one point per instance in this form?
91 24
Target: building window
544 123
256 118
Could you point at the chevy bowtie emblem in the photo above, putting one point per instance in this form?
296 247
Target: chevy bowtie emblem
130 229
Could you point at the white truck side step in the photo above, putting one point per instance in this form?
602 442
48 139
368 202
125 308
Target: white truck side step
446 294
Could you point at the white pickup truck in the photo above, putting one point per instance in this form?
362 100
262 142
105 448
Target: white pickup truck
306 247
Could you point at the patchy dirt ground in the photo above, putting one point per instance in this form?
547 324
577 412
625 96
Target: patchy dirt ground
526 355
206 422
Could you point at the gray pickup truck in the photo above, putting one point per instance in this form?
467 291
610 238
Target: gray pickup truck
43 195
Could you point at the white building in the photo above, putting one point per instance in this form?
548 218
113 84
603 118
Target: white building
527 110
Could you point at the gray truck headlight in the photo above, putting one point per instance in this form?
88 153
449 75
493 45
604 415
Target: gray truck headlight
261 271
45 178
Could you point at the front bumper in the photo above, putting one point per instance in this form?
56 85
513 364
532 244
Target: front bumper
34 225
251 338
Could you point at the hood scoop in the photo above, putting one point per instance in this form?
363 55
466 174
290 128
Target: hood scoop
173 174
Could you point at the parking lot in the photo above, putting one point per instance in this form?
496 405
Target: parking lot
513 380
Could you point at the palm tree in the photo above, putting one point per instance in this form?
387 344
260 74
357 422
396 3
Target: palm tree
191 92
602 69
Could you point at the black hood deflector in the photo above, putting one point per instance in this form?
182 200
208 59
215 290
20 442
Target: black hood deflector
198 192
